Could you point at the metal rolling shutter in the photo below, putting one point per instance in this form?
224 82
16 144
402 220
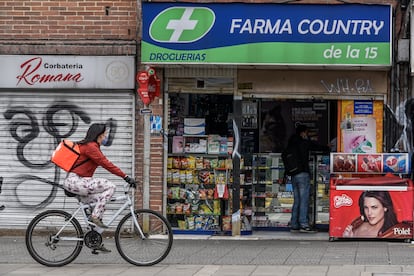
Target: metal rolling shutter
200 80
32 123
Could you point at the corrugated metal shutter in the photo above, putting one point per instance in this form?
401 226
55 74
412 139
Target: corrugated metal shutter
200 80
32 123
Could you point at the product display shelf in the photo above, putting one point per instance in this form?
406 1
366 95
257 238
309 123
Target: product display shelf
320 180
202 144
245 206
272 199
193 206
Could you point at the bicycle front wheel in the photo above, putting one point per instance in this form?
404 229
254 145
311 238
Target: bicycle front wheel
49 248
148 245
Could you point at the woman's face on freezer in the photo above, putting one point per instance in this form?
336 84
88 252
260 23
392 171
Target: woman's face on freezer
374 210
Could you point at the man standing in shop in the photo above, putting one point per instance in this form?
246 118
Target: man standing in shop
301 179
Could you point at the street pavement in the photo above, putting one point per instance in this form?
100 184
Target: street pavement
263 253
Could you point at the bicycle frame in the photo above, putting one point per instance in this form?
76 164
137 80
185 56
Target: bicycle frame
83 206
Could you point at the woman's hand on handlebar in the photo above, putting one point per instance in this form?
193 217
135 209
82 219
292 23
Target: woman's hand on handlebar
130 181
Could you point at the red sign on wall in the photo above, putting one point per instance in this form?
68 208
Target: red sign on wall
149 85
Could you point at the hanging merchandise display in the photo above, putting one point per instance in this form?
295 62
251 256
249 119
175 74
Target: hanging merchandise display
221 190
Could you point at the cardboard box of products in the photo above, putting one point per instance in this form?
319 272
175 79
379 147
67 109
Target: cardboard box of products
194 126
194 122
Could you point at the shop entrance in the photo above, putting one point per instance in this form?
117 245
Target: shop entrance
262 144
199 161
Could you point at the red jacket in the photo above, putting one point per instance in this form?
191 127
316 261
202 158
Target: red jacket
96 158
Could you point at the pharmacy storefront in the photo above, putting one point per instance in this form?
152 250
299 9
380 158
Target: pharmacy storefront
237 78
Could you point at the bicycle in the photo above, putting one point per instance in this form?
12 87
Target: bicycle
143 237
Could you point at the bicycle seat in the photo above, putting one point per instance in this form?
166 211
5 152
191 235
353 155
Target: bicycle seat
69 194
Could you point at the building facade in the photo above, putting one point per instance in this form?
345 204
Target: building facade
257 86
65 65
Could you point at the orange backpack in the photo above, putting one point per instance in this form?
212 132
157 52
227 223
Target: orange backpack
66 154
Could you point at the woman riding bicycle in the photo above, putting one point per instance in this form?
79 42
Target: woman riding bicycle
80 179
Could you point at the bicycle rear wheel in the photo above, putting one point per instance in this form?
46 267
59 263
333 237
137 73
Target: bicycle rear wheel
50 249
150 249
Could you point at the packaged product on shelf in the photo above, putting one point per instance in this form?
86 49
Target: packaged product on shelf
211 178
179 208
221 164
220 177
206 209
226 223
191 162
216 207
194 207
210 193
198 222
223 145
229 164
195 145
178 144
182 224
194 126
194 122
204 177
190 223
195 178
206 163
175 192
229 145
210 223
190 194
213 144
187 208
176 176
176 163
183 176
169 163
171 208
199 162
202 194
214 163
169 176
184 163
189 179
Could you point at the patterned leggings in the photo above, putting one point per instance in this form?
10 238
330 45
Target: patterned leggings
91 190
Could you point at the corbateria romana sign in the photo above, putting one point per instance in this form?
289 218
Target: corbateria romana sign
48 71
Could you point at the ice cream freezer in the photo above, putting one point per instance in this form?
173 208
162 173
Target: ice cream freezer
378 207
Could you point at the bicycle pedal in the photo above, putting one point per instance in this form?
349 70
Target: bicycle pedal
94 252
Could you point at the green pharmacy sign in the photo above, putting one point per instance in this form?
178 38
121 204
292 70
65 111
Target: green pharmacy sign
181 24
266 34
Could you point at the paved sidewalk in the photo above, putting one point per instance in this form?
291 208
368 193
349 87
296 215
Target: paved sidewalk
204 270
281 253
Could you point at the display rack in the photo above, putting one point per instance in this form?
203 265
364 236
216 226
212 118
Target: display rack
194 203
320 177
272 198
246 187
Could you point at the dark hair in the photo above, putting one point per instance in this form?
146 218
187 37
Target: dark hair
301 128
390 218
93 133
